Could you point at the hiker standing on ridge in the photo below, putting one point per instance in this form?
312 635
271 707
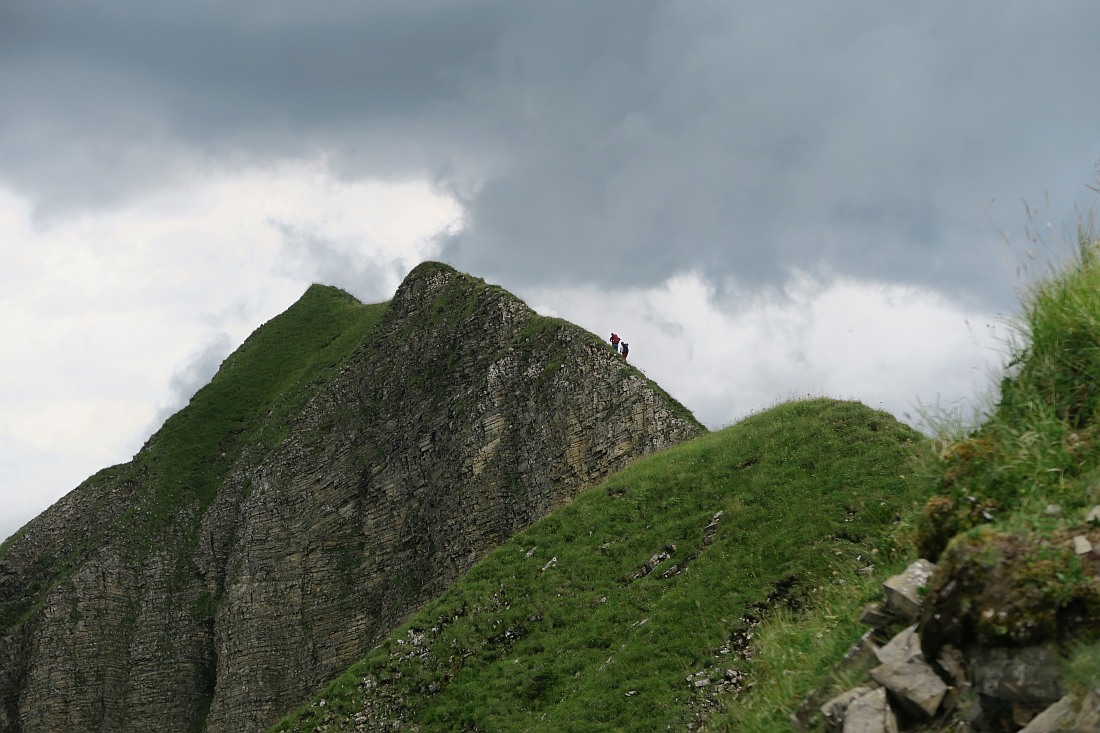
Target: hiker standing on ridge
626 350
615 341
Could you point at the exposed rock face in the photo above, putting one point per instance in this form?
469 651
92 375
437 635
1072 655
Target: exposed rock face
460 420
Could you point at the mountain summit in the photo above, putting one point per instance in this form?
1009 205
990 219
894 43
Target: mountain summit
347 463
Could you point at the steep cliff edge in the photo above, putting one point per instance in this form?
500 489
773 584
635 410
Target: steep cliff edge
345 465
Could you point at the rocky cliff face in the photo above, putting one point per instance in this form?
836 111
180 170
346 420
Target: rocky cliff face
460 418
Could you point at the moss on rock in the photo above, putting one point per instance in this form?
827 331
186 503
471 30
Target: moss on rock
1000 588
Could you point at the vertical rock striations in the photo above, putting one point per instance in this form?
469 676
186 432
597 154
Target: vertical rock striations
148 599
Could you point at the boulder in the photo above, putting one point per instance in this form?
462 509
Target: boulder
1009 589
903 591
1081 545
857 662
903 647
876 616
870 713
1088 718
1008 678
1058 718
835 709
952 668
914 685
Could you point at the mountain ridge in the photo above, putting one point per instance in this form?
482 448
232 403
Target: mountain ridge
346 463
641 601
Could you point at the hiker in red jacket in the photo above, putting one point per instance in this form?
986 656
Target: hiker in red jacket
615 341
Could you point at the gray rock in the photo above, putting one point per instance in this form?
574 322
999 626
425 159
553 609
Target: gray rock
1053 510
903 647
860 656
951 663
834 709
1088 718
857 662
903 591
1058 718
1081 545
914 685
1015 679
870 713
1093 515
876 616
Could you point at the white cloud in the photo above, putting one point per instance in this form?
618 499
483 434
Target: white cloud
109 321
893 347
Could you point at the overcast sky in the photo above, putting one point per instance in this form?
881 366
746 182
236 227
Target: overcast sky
767 200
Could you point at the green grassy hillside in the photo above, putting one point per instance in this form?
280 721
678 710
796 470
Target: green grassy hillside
595 618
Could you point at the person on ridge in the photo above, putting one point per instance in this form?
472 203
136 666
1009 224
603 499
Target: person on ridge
615 341
626 350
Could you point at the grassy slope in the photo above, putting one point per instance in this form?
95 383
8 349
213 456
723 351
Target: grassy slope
552 632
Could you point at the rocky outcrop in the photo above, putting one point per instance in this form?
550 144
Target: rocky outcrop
987 651
460 419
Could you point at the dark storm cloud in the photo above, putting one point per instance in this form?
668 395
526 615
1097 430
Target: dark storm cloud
113 97
613 141
867 138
